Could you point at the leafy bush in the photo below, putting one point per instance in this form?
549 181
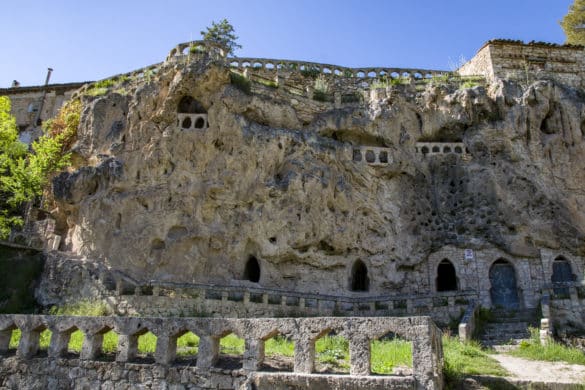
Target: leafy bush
311 72
241 82
83 307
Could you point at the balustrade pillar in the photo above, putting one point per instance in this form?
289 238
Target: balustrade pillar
304 355
5 336
302 303
92 346
166 349
59 343
127 347
246 297
208 353
254 354
359 355
29 343
265 299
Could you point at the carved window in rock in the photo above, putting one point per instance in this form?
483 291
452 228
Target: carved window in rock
252 270
359 280
446 276
562 274
357 155
383 157
191 114
370 156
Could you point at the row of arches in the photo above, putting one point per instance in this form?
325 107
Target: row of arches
502 277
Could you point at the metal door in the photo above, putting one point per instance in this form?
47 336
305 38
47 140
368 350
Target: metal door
504 291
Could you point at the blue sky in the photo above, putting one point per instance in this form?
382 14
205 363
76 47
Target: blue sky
90 40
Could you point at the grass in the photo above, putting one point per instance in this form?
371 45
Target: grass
241 82
83 307
551 352
467 359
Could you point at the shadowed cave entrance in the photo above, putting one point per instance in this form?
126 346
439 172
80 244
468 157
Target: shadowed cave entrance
252 270
359 280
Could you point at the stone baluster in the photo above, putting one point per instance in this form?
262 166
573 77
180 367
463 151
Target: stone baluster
59 342
359 355
5 336
304 355
91 348
208 353
283 300
302 303
246 297
337 99
265 298
155 291
28 345
224 296
166 349
373 306
254 354
127 347
409 306
119 287
451 301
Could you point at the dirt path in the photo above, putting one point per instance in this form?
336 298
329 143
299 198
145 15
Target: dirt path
542 371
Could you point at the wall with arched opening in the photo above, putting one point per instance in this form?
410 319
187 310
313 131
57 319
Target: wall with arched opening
191 114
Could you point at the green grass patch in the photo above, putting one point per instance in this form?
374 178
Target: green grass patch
333 350
387 354
231 345
467 359
551 352
279 346
83 307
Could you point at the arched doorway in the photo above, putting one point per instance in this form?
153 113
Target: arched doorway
504 291
359 280
562 273
252 270
446 276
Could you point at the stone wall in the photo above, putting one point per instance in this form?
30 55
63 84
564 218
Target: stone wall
304 332
516 60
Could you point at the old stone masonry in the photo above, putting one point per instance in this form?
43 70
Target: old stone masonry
212 195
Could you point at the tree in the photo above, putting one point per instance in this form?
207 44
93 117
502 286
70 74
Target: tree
24 175
222 33
574 23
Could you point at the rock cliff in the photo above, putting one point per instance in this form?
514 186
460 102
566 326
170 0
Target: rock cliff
273 177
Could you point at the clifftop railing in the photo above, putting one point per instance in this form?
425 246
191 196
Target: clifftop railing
427 355
315 68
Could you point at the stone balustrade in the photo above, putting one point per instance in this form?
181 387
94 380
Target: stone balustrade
332 70
427 357
375 156
192 121
438 148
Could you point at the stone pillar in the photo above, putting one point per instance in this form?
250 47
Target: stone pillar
302 303
373 306
337 99
254 354
265 299
119 287
92 346
304 355
574 296
224 296
409 306
208 353
155 291
59 343
390 305
127 347
166 349
451 302
359 355
29 343
137 290
246 297
5 336
283 300
545 331
427 358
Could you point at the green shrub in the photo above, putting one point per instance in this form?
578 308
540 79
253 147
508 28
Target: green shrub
241 82
83 307
311 72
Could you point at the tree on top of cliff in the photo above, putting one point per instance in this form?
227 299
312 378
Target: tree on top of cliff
574 23
222 33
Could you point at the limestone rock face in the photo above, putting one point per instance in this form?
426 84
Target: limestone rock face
274 177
